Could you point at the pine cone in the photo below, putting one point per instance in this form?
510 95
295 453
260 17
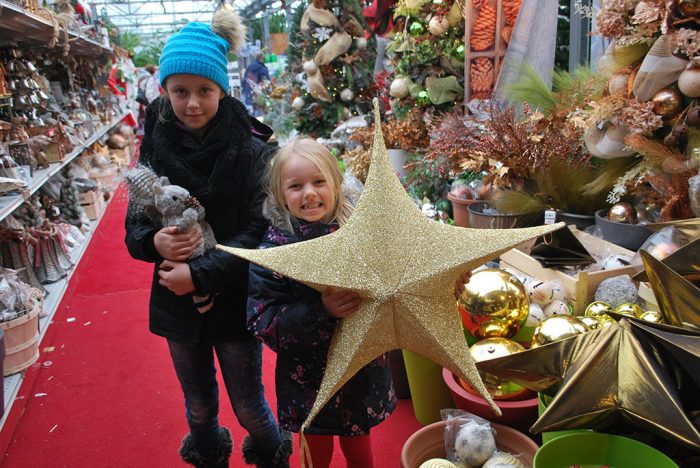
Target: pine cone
478 3
484 29
481 75
506 32
510 10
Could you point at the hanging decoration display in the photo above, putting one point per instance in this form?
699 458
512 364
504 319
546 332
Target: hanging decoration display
332 60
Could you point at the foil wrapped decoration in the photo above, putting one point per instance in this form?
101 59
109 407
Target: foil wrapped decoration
387 253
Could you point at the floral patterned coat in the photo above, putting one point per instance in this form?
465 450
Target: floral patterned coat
289 317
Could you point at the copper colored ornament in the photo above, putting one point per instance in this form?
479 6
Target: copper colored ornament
633 310
407 287
622 212
491 348
555 328
494 304
693 116
609 376
671 140
667 102
687 8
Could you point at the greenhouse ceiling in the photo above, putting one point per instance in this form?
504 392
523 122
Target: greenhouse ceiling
156 19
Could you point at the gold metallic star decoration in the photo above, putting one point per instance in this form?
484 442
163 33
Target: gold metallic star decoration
404 265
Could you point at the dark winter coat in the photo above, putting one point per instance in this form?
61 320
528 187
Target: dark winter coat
289 317
224 172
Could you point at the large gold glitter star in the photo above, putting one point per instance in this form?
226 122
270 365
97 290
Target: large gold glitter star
617 373
404 265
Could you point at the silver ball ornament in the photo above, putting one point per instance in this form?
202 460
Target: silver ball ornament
298 103
347 95
310 67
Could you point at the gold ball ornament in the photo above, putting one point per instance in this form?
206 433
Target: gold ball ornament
622 212
628 308
590 322
557 327
653 316
687 8
689 82
597 309
438 25
491 348
667 102
493 304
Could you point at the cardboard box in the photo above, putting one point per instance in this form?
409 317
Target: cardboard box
88 197
580 288
95 209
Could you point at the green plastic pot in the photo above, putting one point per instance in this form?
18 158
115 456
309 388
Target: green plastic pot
594 449
542 403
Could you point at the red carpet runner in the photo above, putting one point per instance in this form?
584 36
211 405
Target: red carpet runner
104 394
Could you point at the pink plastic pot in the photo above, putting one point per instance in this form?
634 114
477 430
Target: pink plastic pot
520 414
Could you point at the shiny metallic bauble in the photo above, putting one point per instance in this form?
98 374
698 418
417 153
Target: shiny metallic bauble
652 316
494 304
667 102
347 95
622 212
438 25
629 308
557 327
597 309
491 348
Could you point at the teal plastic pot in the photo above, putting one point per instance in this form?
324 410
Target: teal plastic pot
595 449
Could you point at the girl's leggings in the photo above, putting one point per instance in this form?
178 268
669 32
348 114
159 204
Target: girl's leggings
356 449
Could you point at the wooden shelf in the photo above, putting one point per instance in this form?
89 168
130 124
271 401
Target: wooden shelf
18 24
9 203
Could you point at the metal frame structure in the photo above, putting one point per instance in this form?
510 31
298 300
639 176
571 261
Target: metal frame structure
159 18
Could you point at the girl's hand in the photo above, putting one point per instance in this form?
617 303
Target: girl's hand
340 303
176 276
461 281
177 246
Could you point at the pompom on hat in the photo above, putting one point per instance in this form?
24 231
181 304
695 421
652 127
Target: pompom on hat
200 49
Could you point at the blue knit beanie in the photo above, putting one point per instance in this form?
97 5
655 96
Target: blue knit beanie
196 50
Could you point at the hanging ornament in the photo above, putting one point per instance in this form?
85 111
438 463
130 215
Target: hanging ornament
347 95
417 28
310 67
361 43
667 102
322 34
298 103
458 52
423 98
693 116
689 81
346 113
438 25
399 88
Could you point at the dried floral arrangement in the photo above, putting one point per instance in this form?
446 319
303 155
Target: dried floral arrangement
409 133
649 118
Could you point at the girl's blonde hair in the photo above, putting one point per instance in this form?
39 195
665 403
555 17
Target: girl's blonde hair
319 155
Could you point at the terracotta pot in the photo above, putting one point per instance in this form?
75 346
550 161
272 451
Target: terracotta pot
460 214
520 414
629 236
429 442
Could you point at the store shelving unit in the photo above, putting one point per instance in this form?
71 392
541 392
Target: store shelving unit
19 24
32 30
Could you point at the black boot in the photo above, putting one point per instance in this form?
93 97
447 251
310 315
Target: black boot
280 459
219 459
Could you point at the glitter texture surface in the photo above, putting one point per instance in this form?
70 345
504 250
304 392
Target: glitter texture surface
404 265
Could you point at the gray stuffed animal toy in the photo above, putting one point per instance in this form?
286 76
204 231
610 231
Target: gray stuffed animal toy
171 205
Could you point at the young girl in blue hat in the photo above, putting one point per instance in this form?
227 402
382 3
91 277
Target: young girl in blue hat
203 140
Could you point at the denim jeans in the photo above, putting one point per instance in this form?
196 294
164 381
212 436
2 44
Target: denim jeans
241 368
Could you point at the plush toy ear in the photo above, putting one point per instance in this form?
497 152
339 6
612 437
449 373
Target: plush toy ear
164 181
158 189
